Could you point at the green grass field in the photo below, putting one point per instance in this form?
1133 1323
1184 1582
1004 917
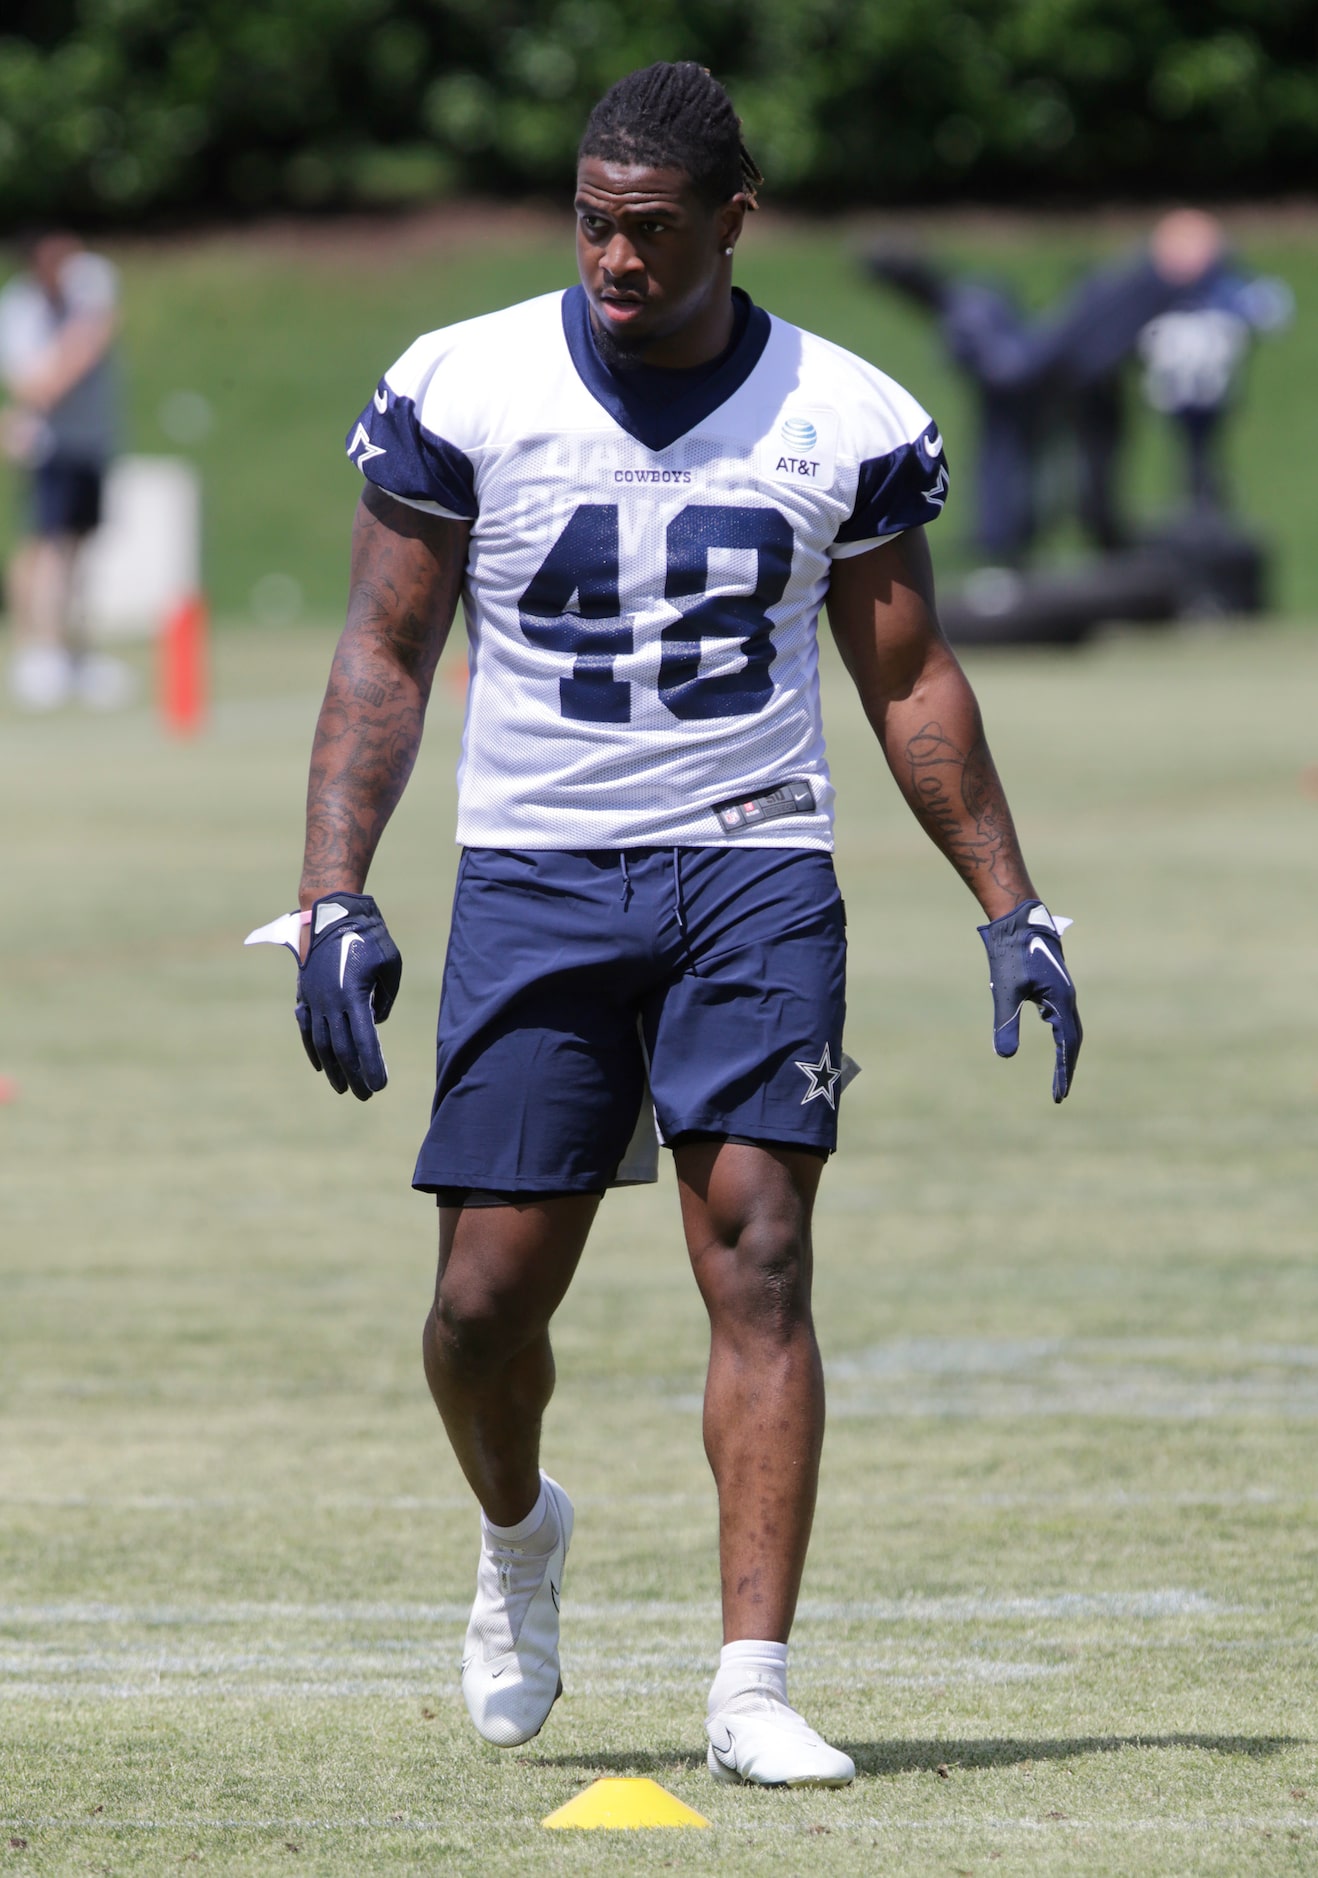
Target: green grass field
1061 1603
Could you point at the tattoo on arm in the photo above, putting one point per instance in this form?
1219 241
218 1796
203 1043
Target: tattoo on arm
407 573
957 796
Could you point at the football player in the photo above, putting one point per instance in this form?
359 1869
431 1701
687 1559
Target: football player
644 489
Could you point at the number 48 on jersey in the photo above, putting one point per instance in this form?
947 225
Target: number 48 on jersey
584 561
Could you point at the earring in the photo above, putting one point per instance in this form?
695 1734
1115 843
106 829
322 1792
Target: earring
727 251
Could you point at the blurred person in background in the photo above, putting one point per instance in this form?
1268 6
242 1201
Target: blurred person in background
1178 302
59 319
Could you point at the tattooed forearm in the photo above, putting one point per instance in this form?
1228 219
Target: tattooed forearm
366 743
916 696
407 571
957 796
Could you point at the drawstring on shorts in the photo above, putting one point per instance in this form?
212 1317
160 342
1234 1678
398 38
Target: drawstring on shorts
677 894
679 907
679 904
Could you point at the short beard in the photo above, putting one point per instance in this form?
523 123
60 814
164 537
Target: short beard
618 354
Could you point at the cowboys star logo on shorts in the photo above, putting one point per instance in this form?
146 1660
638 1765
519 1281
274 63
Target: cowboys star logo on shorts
822 1078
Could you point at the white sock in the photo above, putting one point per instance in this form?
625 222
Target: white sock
525 1528
749 1667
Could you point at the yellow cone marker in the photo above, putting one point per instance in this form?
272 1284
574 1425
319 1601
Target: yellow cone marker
627 1805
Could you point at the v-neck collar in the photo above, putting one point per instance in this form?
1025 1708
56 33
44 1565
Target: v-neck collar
659 422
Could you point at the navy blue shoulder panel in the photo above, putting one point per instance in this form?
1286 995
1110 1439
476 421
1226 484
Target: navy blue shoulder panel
659 422
393 449
903 489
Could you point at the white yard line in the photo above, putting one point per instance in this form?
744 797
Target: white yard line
1078 1499
1144 1378
429 1681
186 1652
1173 1601
960 1356
953 1823
327 1502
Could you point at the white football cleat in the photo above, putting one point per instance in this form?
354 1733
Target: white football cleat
760 1741
510 1675
40 678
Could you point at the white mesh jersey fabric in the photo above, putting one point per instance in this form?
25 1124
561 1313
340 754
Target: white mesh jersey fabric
641 623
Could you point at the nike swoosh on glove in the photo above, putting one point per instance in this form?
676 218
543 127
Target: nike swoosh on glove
344 989
1027 966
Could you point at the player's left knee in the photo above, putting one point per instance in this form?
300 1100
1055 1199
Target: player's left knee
760 1279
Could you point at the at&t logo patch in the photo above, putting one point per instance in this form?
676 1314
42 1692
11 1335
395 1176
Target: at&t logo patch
801 448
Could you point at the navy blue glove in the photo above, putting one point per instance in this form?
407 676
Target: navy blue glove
1026 965
345 988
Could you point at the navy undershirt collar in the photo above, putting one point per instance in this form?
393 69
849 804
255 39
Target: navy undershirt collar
652 403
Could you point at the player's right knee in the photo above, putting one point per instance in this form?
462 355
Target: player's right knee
474 1335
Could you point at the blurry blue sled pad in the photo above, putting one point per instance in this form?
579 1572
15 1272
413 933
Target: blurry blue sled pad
639 1165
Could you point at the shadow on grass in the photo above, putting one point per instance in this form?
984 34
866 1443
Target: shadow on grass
914 1757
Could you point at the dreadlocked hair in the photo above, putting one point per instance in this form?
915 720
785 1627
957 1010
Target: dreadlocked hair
675 117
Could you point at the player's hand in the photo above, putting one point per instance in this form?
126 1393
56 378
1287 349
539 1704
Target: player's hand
1026 966
345 987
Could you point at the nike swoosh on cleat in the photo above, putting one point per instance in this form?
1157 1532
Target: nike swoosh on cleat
1040 945
553 1592
496 1673
724 1748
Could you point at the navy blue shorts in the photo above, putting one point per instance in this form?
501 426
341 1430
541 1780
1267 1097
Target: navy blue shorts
66 498
568 973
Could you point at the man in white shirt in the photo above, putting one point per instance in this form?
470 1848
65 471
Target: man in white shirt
58 321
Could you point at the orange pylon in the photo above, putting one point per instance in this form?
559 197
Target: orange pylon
183 669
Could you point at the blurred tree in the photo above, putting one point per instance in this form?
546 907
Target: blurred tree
111 110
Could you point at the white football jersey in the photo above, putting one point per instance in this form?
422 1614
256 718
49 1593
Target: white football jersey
649 553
